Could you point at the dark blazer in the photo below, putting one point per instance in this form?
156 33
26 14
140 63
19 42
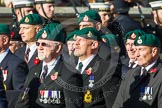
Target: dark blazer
21 52
3 99
70 98
17 71
133 88
106 84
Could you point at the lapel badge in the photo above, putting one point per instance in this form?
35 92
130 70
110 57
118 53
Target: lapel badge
54 76
89 34
133 36
5 87
139 41
146 93
88 97
85 19
26 19
44 35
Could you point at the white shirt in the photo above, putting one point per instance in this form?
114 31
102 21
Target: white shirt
148 67
134 65
85 63
32 50
50 65
3 55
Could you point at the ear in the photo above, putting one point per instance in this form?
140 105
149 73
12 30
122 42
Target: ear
94 45
5 40
154 51
98 26
37 28
59 48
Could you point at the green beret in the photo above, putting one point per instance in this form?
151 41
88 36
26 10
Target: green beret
133 34
147 40
32 19
111 39
89 33
53 32
43 1
89 16
70 36
4 29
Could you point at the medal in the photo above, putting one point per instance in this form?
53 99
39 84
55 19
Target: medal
49 96
4 74
91 81
42 95
146 93
88 97
45 96
5 87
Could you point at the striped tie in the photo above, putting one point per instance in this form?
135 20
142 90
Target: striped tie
45 69
26 56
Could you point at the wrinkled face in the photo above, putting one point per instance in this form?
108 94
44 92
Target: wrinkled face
158 16
83 47
131 49
70 45
104 17
145 55
27 32
48 9
4 40
86 24
46 49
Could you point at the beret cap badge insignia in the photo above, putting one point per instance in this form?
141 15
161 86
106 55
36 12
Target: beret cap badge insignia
133 36
26 19
89 34
44 35
139 41
74 37
85 19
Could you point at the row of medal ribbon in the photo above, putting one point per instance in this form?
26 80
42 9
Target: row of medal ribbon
50 97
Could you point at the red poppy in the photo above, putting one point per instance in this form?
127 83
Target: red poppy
36 61
153 70
54 76
89 71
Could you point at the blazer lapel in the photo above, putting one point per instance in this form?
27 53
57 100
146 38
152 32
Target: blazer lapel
4 62
57 68
93 64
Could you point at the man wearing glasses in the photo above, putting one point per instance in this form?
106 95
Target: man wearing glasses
29 26
47 83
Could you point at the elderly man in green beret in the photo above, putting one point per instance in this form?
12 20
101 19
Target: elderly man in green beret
142 85
29 26
48 81
14 69
94 70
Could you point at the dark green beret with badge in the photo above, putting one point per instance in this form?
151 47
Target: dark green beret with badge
89 16
43 1
89 33
53 32
70 36
133 34
32 19
4 29
110 39
147 40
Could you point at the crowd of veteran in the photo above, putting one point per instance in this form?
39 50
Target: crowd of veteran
110 60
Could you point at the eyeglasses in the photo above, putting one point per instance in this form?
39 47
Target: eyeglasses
42 44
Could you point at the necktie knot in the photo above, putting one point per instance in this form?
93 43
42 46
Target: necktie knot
144 72
80 66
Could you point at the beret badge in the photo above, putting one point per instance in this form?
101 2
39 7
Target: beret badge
139 40
74 37
133 36
44 34
89 34
85 18
26 19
